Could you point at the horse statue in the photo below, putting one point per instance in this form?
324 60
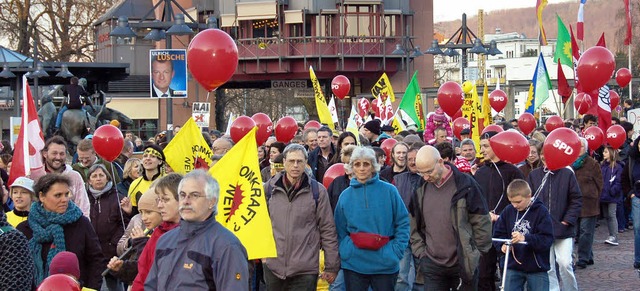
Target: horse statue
47 115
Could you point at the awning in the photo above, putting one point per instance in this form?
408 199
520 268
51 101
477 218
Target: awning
228 20
293 16
138 108
256 10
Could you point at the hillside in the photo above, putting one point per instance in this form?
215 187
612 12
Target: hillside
600 16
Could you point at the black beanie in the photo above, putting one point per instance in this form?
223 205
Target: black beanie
373 126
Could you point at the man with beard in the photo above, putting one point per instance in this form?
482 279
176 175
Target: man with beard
398 160
152 162
54 155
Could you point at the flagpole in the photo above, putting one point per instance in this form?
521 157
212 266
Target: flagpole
630 83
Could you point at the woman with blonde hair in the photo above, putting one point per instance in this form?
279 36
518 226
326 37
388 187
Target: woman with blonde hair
132 170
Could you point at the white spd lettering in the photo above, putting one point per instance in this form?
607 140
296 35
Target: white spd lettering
498 98
611 135
590 137
563 147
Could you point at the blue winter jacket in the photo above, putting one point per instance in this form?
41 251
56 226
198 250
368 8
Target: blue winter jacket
612 187
372 207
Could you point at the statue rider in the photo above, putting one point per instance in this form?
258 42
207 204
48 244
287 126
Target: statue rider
74 94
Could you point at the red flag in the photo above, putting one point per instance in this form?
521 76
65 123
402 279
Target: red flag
576 56
601 41
627 12
563 86
26 154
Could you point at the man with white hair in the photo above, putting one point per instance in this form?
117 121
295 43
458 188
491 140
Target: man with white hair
200 254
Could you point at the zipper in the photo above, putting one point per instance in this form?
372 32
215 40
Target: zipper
366 201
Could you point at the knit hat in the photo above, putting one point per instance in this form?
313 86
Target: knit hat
148 201
373 126
439 116
23 182
387 128
65 263
155 150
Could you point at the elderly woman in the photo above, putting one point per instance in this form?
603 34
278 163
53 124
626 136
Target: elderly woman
132 170
56 224
372 224
21 192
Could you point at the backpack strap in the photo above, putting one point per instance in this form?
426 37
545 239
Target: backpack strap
315 191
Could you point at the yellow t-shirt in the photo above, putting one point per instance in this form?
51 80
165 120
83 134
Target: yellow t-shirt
14 219
138 187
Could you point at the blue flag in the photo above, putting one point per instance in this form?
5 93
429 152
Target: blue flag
539 87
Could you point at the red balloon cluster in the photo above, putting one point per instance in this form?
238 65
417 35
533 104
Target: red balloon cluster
450 97
527 123
616 135
265 127
623 77
335 171
212 57
387 145
492 127
561 148
594 137
240 127
460 124
510 146
108 142
498 100
582 102
340 86
595 68
553 122
286 129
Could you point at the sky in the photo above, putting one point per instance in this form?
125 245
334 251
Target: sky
445 10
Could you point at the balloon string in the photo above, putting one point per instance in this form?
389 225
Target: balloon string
208 96
113 177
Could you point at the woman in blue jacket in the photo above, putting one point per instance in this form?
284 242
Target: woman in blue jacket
372 224
611 191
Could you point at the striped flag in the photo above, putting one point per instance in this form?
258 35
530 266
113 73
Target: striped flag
627 12
540 5
580 25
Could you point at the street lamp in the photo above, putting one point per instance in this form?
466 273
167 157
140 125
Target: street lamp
462 40
408 54
64 72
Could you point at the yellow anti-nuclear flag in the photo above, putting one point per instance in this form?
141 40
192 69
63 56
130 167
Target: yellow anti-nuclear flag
188 150
321 103
383 89
242 207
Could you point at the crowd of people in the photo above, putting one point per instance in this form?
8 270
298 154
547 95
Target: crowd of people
434 212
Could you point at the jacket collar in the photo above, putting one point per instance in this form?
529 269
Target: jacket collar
355 183
192 228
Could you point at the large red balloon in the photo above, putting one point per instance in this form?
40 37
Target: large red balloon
595 68
459 124
212 57
335 171
240 127
58 282
623 77
616 135
457 115
492 127
582 102
527 123
265 127
363 107
450 97
313 124
108 142
615 99
387 145
498 100
286 129
561 148
510 146
594 137
340 86
553 122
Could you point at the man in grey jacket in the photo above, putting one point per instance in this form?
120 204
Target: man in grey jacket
303 224
200 254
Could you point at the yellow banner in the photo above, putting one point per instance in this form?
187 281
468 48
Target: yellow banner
486 107
321 103
383 89
471 111
188 150
242 205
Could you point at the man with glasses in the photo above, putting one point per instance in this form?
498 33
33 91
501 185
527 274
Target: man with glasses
221 145
200 254
448 214
87 157
319 158
302 222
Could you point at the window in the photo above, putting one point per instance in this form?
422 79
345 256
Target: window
488 73
264 28
362 20
143 128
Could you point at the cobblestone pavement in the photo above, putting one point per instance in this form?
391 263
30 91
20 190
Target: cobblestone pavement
613 268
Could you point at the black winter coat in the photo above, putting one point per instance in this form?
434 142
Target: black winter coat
106 220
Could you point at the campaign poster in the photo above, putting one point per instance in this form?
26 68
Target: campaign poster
168 73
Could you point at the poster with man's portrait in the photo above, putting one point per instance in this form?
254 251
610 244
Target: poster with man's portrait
168 73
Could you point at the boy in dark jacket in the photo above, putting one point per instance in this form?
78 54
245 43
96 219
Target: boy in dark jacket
527 221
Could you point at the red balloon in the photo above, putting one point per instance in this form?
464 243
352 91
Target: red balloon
387 145
240 127
553 122
492 127
498 100
459 124
313 124
561 148
616 135
595 68
615 99
527 123
582 102
594 137
374 106
363 107
623 77
212 57
265 127
286 129
510 146
457 115
340 86
108 142
59 282
450 97
333 172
